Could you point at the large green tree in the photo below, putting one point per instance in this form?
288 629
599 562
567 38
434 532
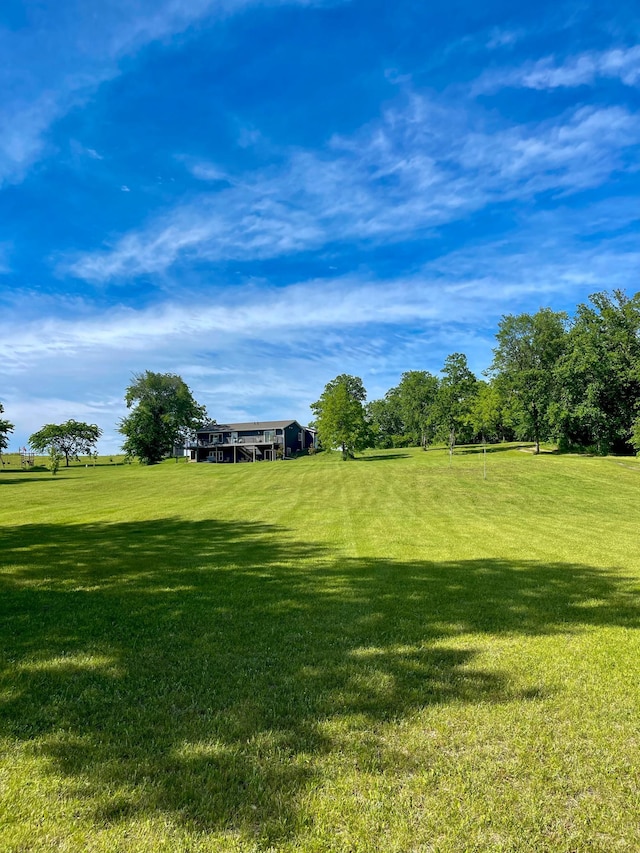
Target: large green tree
524 362
340 415
163 415
453 402
417 393
6 428
598 376
68 439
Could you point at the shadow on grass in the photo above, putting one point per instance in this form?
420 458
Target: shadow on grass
378 457
466 449
18 481
202 669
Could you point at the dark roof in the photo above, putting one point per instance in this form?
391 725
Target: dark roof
213 427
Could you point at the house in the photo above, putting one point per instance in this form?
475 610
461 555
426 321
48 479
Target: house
250 442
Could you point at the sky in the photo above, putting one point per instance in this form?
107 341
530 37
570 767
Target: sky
259 195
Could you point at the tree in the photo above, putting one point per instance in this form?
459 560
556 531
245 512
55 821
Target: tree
598 376
340 416
6 427
529 347
164 414
417 394
68 439
454 399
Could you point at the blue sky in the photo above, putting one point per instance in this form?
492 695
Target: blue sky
261 194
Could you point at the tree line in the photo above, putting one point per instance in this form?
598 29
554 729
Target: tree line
573 381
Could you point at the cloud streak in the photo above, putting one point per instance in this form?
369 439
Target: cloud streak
584 69
421 165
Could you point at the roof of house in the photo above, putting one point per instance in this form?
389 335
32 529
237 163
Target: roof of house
251 425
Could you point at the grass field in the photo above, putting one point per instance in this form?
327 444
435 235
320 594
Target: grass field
391 654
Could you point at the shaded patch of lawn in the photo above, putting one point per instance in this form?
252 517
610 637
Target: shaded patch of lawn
208 670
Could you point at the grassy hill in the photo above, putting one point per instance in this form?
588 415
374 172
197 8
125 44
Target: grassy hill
386 654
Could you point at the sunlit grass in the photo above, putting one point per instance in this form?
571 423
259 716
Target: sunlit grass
387 654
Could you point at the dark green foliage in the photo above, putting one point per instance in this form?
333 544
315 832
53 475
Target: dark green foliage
417 394
340 416
454 400
598 377
383 417
529 346
6 427
68 439
164 414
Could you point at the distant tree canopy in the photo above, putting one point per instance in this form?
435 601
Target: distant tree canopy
340 417
6 428
164 414
574 381
69 439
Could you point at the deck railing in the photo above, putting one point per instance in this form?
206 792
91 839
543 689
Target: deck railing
240 440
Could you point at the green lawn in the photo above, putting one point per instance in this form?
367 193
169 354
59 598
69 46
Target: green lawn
390 654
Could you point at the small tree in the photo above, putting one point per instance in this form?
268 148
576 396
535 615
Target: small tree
6 428
54 461
164 413
68 439
340 415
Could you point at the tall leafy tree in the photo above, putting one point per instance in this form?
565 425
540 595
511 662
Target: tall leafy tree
163 415
524 363
598 376
417 393
455 395
69 439
6 428
340 416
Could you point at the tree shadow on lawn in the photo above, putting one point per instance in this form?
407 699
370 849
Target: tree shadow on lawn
380 457
474 449
21 475
196 668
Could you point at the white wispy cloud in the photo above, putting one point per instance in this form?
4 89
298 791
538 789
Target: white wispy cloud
420 165
621 63
255 351
468 283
